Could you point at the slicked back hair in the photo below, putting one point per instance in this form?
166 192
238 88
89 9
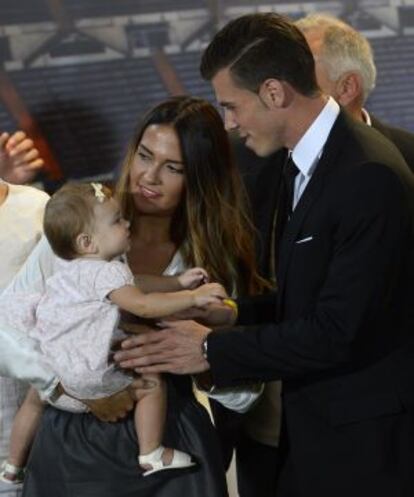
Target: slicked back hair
257 47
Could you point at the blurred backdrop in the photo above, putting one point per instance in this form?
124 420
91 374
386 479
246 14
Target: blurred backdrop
77 75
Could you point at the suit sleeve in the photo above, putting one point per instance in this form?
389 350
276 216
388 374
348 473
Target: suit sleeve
371 237
256 309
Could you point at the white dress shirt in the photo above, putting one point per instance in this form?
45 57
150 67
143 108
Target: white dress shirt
308 150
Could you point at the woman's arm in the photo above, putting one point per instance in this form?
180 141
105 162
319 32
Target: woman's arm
189 279
150 283
215 315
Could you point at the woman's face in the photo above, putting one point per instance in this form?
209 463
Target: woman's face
157 172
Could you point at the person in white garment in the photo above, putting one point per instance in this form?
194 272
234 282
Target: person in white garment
21 217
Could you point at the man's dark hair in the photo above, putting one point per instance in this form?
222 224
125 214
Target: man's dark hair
256 47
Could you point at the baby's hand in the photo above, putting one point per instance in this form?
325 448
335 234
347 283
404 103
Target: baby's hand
192 278
209 294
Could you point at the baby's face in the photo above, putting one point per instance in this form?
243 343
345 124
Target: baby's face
111 231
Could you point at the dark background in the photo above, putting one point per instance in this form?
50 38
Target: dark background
78 74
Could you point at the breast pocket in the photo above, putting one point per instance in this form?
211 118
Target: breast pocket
307 269
306 239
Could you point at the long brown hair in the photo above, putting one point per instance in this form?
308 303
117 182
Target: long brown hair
210 226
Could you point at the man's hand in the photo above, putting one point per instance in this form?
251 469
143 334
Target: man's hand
175 348
111 408
19 159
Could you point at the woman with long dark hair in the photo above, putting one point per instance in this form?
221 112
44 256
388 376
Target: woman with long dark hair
184 199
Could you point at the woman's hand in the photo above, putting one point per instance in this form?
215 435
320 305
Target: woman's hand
112 408
210 293
213 315
118 405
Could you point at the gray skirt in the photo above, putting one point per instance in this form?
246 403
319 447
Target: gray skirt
75 455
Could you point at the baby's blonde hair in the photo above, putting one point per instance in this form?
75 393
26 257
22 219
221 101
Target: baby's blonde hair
70 212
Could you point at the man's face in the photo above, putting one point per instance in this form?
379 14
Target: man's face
245 112
329 87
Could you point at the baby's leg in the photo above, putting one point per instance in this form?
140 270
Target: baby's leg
150 413
24 429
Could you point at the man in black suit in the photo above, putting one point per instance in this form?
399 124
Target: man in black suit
339 330
345 69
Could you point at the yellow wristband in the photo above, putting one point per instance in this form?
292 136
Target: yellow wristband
231 303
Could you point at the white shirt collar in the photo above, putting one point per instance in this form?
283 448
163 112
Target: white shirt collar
366 117
308 150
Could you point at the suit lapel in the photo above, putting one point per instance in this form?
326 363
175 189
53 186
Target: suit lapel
312 193
294 225
379 126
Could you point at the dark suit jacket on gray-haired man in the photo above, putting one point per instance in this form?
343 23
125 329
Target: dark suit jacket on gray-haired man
339 330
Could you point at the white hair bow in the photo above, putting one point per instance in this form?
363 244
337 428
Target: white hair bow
99 193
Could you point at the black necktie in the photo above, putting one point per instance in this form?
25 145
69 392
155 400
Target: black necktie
285 205
285 202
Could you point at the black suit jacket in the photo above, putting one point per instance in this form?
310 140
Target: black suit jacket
402 139
341 333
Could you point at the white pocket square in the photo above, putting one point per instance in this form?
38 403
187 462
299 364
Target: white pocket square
304 240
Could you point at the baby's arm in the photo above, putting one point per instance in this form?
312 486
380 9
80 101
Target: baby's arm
157 305
191 278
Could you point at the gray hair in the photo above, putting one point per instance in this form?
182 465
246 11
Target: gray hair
343 49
